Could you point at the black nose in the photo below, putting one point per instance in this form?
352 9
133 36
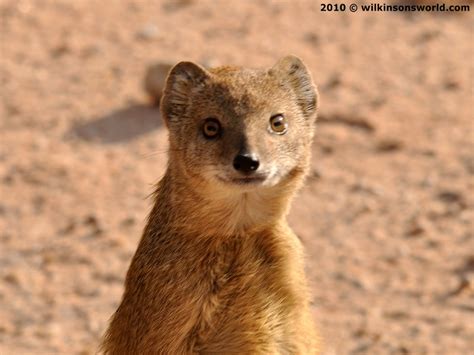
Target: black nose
246 163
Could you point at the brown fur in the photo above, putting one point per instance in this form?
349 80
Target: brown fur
218 270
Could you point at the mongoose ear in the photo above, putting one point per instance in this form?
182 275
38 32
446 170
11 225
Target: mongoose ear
183 78
293 72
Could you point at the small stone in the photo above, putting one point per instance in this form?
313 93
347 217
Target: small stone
468 163
91 220
60 50
148 32
177 4
403 349
396 314
415 229
452 84
464 286
314 175
326 149
12 279
12 109
69 228
333 82
450 196
155 78
311 38
127 222
453 201
90 51
388 145
209 62
94 224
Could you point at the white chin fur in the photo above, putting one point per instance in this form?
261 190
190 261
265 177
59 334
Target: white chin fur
228 179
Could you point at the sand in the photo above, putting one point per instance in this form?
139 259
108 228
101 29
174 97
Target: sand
386 215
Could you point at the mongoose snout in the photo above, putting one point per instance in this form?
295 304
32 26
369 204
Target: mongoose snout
246 163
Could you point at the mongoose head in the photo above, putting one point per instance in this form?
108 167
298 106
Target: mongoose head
240 129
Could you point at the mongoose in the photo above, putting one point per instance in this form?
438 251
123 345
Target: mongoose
218 270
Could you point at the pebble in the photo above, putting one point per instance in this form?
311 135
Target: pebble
148 32
388 145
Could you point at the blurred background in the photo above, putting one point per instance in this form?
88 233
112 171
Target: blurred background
387 212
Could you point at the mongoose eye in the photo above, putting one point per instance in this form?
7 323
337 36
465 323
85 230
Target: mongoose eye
211 128
278 124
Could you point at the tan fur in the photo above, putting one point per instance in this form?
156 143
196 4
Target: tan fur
218 270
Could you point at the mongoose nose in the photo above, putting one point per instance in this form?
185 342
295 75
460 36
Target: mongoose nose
246 163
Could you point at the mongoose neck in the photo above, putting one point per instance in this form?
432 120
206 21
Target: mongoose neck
199 207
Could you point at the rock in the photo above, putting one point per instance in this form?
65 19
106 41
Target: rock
60 50
415 228
450 196
155 79
12 279
93 223
148 32
333 82
311 38
388 145
129 221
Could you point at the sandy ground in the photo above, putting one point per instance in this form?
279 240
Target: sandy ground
387 212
